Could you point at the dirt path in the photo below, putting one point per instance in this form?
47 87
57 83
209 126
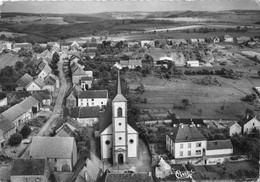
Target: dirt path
57 111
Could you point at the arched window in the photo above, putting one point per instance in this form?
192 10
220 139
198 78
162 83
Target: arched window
119 112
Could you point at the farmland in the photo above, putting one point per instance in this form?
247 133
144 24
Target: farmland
214 101
8 60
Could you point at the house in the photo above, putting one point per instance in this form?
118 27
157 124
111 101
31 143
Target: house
55 47
91 45
249 123
23 111
50 83
147 43
64 48
22 45
162 169
77 73
118 136
193 63
71 99
45 72
61 152
218 151
228 38
44 55
92 98
131 64
74 46
35 85
234 128
132 43
216 39
201 40
194 40
86 82
23 82
166 58
34 170
86 116
7 128
3 101
243 39
117 65
126 177
66 130
186 141
44 98
178 41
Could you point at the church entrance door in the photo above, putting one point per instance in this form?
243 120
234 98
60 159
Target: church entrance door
120 159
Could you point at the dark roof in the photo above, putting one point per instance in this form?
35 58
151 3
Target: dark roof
5 124
49 80
127 177
82 112
89 94
219 144
86 78
186 133
41 95
245 119
24 80
28 167
105 118
65 128
187 121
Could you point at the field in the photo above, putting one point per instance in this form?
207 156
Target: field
8 60
35 20
162 94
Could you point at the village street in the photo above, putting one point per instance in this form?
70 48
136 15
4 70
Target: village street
57 110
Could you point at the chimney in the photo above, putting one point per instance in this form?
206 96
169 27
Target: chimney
181 124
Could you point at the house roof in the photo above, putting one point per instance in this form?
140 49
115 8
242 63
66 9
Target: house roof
49 80
186 133
231 123
246 119
13 112
24 80
88 94
188 121
219 144
47 69
41 95
65 131
126 177
82 112
86 78
28 167
227 36
39 82
78 71
28 103
52 147
5 124
131 62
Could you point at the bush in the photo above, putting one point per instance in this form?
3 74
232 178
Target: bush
25 131
15 139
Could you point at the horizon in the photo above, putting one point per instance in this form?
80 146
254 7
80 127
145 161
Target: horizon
105 6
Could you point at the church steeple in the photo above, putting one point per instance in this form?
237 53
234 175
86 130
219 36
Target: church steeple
119 96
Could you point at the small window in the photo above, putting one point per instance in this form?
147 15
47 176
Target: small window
189 145
181 146
120 138
198 152
107 142
101 102
92 99
119 112
131 141
198 144
119 124
181 153
55 160
189 153
253 124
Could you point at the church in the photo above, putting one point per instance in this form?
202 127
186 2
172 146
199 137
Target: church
118 136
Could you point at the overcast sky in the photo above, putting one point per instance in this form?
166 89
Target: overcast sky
96 6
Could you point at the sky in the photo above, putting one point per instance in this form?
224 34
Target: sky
97 6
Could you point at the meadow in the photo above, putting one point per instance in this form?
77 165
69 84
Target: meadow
8 60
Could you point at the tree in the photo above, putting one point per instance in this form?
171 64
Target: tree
18 65
15 139
25 131
55 58
185 102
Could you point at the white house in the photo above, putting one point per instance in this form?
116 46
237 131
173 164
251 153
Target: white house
35 85
163 169
86 116
249 124
61 152
145 43
44 72
193 63
216 39
50 83
44 98
118 136
131 64
23 82
186 141
234 128
228 38
86 82
92 98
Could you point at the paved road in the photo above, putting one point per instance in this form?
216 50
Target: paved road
57 110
